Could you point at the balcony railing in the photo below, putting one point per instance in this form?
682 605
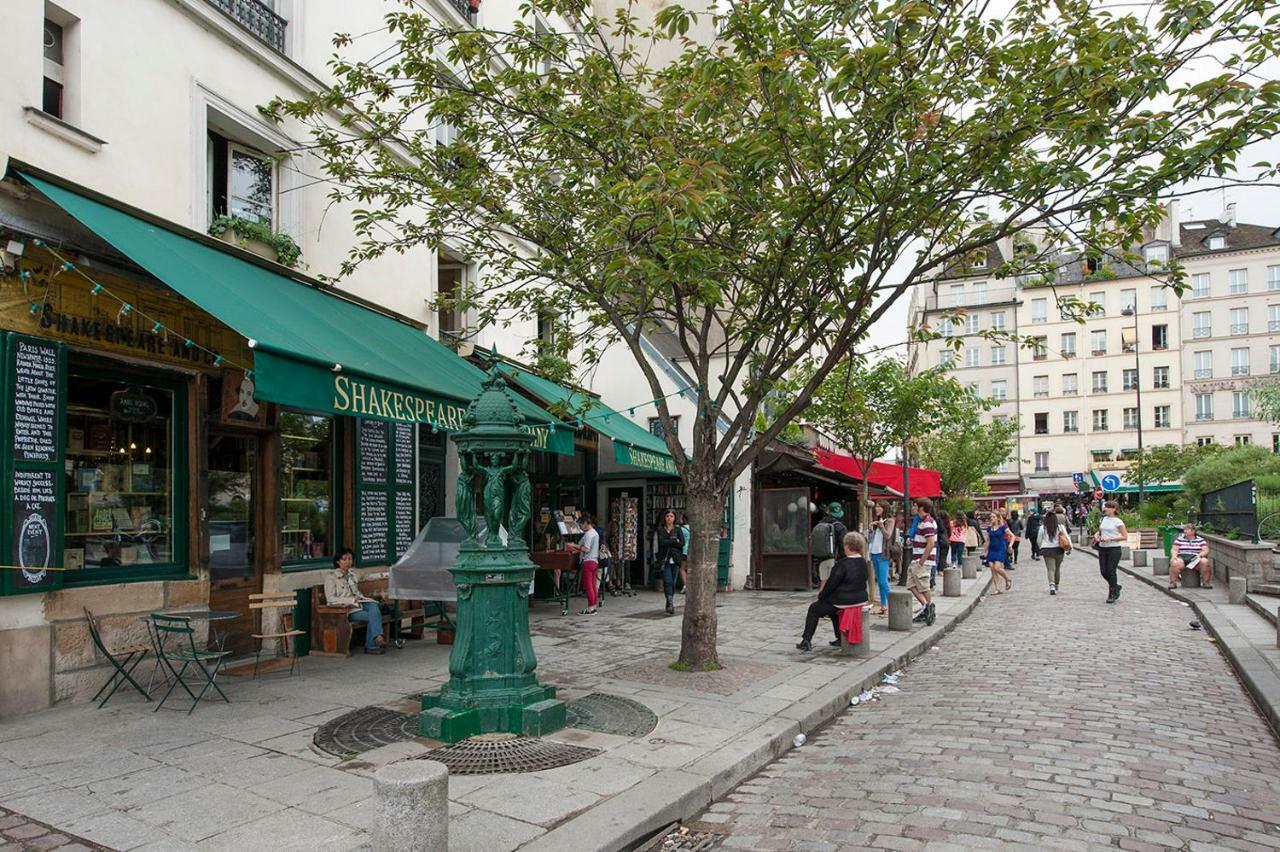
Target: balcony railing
1203 416
1099 351
257 18
1099 388
1273 325
1242 414
1041 394
1239 328
1204 373
1069 392
1040 356
1240 370
946 301
464 9
1275 366
1159 347
1202 331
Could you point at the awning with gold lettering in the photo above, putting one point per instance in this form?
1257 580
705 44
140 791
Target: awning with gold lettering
314 349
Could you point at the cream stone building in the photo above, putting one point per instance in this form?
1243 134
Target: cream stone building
1145 368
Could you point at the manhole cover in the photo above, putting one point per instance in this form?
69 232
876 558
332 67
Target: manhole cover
519 754
610 714
364 730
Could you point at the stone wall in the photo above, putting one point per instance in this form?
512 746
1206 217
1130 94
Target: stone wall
46 653
1256 562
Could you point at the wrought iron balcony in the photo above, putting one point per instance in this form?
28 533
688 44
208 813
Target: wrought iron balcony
256 17
1273 325
1240 370
1239 328
1202 331
1204 373
1202 416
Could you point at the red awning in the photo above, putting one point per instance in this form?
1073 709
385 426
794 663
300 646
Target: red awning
922 481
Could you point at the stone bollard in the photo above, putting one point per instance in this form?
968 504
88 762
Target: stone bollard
951 583
1126 553
411 807
863 648
1278 627
1190 579
969 566
1237 587
1139 559
900 609
1160 566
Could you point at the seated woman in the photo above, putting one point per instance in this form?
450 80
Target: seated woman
846 586
341 588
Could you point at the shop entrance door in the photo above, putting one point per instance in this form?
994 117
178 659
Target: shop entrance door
232 515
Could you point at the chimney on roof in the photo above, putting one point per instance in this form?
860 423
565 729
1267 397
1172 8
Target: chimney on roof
1174 220
1229 215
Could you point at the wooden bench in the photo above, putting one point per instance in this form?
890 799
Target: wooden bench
332 633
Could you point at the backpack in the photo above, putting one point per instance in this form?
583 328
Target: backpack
822 541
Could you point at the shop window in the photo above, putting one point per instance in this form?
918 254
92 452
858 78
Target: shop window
306 487
125 509
786 520
241 181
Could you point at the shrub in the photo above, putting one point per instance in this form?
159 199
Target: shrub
287 251
1230 467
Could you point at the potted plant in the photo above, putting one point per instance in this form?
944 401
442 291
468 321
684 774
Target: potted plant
256 237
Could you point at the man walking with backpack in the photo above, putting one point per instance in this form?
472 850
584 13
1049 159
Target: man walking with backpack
827 536
924 556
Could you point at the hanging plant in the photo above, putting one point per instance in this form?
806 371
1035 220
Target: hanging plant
248 231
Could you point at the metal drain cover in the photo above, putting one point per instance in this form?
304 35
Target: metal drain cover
491 756
610 714
364 730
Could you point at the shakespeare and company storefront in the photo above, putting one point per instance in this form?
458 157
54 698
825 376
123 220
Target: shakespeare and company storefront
176 442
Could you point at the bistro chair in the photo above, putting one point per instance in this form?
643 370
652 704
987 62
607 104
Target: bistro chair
285 602
183 649
123 660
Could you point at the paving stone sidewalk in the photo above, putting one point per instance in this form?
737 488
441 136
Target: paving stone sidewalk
247 776
23 834
1044 722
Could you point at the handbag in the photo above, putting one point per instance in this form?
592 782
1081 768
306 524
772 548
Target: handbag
1064 541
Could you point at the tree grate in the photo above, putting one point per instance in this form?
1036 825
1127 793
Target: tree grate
610 714
489 755
364 730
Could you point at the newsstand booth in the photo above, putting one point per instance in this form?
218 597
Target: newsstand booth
187 424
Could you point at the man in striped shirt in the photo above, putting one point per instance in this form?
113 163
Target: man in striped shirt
924 556
1190 553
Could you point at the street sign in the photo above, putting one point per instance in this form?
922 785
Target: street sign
1110 482
1097 493
1077 478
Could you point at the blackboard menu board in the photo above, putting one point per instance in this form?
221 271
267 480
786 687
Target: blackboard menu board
373 450
374 526
406 529
404 440
35 507
35 401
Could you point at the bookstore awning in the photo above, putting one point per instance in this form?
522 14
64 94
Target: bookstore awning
921 481
313 349
633 445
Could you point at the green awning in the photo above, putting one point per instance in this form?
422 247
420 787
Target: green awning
313 350
1100 453
1149 489
633 445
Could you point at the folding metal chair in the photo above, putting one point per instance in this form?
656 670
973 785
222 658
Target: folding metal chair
207 663
123 659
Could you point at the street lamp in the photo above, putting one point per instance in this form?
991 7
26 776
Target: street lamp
1132 311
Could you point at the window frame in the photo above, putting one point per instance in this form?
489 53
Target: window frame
337 476
179 568
1160 378
1159 422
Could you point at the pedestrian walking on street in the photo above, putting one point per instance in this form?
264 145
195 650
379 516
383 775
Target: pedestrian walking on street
688 543
972 535
1034 520
668 553
943 520
845 586
1016 528
957 534
1053 544
924 556
1107 540
998 552
1064 520
881 547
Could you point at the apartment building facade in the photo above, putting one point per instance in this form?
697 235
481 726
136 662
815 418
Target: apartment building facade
1144 368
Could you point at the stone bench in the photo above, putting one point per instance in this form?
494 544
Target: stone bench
1160 566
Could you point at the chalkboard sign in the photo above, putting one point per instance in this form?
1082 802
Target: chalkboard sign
374 525
373 451
404 453
35 520
133 405
35 401
31 464
406 529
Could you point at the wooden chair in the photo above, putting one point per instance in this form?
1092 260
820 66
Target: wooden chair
285 602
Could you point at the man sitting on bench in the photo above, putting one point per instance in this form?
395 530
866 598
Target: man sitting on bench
342 588
1190 553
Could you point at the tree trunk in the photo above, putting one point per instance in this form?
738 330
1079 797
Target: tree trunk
698 631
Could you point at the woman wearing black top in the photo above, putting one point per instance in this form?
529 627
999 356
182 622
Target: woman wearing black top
846 586
668 554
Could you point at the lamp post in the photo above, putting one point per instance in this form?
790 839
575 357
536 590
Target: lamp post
1132 311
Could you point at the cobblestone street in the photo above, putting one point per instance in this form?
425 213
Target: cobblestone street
1041 722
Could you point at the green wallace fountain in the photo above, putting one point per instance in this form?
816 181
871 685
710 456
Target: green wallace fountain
492 686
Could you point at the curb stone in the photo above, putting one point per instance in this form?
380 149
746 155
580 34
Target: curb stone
678 794
1259 679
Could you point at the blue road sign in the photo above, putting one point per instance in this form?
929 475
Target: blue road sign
1077 478
1110 482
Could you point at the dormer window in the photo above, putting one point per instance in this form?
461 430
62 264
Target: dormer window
1216 242
1157 254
